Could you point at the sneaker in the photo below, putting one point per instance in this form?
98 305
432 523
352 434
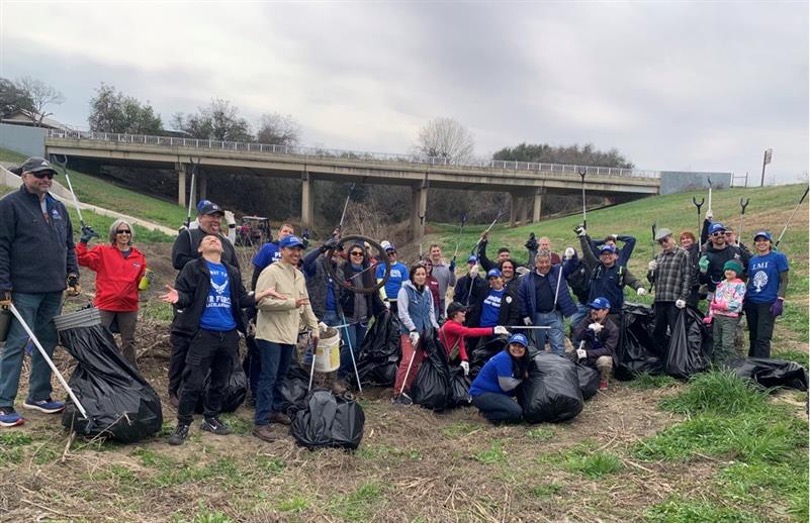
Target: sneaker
265 433
215 426
9 417
45 406
280 418
603 385
402 400
180 434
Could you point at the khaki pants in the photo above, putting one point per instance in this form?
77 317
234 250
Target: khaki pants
126 326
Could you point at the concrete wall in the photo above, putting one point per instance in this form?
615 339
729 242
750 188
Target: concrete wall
681 181
28 141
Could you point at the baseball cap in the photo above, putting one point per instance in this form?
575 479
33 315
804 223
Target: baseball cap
662 233
472 259
599 303
390 247
290 241
202 203
518 339
607 247
34 164
494 273
765 234
715 227
454 308
385 244
209 208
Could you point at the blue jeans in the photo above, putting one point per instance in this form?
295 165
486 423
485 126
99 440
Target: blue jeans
275 362
555 335
38 310
497 407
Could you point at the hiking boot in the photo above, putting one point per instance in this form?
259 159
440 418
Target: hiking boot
215 426
603 384
46 406
280 418
9 417
174 401
180 434
402 400
265 433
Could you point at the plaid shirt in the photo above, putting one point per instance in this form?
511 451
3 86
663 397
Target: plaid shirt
673 276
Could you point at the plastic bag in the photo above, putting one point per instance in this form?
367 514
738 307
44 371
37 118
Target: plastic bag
772 373
459 388
636 352
328 421
235 390
486 349
431 389
551 393
588 380
294 390
120 404
689 345
379 354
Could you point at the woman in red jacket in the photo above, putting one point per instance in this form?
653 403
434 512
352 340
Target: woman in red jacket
453 332
119 268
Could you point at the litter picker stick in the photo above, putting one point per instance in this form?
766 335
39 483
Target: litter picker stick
743 205
191 190
345 207
582 172
49 361
408 371
63 165
351 350
528 327
501 213
652 244
460 232
791 217
698 206
312 367
710 193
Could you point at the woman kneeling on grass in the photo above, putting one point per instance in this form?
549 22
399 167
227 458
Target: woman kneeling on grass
492 389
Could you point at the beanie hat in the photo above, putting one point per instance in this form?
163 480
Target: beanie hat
733 265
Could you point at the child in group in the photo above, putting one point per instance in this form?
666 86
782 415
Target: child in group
724 312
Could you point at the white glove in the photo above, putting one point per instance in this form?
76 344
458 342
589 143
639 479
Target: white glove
641 292
527 321
580 231
569 253
614 236
652 266
414 336
323 326
474 271
387 305
500 330
680 304
581 353
709 215
466 367
230 219
596 327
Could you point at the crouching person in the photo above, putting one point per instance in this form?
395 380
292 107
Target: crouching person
208 295
597 337
493 389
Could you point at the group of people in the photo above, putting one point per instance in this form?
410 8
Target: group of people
295 292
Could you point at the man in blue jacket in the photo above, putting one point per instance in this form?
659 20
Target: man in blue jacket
37 263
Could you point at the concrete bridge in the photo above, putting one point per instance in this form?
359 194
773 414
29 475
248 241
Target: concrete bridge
527 183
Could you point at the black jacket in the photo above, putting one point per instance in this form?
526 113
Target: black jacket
187 242
374 304
509 314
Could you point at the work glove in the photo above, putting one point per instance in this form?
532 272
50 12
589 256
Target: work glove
652 265
776 307
414 336
73 286
614 236
466 367
230 219
332 243
580 231
87 234
703 264
641 292
387 304
322 326
680 304
569 253
596 327
707 320
527 321
5 299
453 265
500 330
719 305
581 354
709 215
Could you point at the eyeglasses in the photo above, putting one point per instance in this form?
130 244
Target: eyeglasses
44 174
123 232
356 253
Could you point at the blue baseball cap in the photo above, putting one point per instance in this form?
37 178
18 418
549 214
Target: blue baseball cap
494 273
765 234
290 242
599 303
390 247
715 227
518 339
607 247
472 259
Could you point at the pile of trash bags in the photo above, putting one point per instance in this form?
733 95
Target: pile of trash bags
328 421
438 386
552 391
235 391
379 354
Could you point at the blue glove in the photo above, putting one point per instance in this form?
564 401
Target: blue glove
453 265
87 234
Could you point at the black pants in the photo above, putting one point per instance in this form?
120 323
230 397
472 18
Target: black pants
666 314
212 351
760 329
177 360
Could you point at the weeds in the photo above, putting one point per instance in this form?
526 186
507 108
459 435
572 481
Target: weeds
359 505
678 509
592 465
718 392
646 381
493 455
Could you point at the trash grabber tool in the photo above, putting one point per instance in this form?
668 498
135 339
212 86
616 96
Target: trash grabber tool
408 371
312 366
743 205
191 190
351 350
582 172
460 232
63 165
791 217
528 327
345 207
501 214
654 227
698 206
710 193
48 360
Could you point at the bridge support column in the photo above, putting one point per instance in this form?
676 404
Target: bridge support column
524 210
418 206
538 205
514 209
180 169
307 201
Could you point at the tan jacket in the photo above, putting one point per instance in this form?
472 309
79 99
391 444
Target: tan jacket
278 319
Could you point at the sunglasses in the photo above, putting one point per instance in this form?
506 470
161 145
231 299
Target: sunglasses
662 241
356 253
391 253
719 234
44 174
123 232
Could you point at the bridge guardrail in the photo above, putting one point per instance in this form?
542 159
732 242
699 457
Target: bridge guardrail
311 152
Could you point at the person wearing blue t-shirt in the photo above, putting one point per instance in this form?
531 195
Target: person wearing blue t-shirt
269 253
493 389
765 295
398 275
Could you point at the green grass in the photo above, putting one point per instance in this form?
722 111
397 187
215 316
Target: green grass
718 392
546 490
678 509
647 381
540 433
592 464
494 455
359 505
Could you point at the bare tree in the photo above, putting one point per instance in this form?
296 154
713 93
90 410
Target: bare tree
219 120
446 138
41 95
278 129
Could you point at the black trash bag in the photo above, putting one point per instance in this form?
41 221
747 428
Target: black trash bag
487 348
431 389
294 390
589 378
689 345
235 390
379 354
637 351
328 422
772 373
459 388
120 404
551 392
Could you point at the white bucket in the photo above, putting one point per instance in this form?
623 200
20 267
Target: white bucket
327 356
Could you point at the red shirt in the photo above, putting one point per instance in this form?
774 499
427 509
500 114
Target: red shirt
452 332
116 277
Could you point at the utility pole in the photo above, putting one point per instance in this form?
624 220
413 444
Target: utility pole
766 159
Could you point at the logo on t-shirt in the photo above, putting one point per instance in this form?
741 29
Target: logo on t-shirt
760 280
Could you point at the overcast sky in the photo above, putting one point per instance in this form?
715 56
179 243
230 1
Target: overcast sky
672 85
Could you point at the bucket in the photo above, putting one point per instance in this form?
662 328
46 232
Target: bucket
83 318
327 355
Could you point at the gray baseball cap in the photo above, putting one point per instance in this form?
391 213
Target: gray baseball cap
662 233
34 164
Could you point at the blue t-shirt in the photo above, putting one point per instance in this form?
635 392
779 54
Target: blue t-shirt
268 254
495 373
217 315
399 274
763 277
491 308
